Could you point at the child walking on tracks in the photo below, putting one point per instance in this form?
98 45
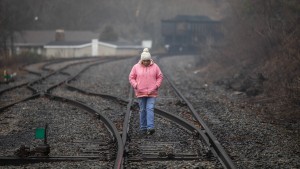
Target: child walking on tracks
146 77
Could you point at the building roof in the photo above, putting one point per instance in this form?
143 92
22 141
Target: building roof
73 39
190 18
47 36
69 44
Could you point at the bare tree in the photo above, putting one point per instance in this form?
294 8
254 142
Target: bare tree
263 37
12 20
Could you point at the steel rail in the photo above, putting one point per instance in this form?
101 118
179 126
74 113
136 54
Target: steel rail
44 67
13 87
19 101
120 158
53 73
108 123
213 143
30 71
184 123
34 91
106 60
126 124
81 71
178 120
206 135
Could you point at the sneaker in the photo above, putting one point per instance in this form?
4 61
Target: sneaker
150 131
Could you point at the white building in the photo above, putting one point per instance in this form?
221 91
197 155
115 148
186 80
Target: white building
64 44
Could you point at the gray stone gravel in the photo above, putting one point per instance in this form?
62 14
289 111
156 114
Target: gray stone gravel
250 141
98 79
67 125
19 79
72 70
56 66
66 165
169 101
14 95
111 109
167 132
50 81
109 78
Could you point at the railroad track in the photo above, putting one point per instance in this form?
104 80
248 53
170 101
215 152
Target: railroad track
86 89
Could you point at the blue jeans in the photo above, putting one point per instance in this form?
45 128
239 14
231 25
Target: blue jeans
146 105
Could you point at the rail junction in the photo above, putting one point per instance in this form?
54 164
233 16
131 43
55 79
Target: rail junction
87 112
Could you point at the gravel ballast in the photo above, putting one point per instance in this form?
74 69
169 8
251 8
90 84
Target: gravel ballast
250 140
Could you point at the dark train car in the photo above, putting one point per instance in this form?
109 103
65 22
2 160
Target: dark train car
186 33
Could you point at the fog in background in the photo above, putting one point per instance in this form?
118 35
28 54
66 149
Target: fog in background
259 53
132 20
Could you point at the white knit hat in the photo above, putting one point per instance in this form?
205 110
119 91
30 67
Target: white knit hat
145 55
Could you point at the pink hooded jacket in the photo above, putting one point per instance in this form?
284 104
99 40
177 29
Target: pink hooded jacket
145 80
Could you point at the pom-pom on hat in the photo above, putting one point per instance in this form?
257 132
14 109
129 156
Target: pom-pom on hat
145 55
